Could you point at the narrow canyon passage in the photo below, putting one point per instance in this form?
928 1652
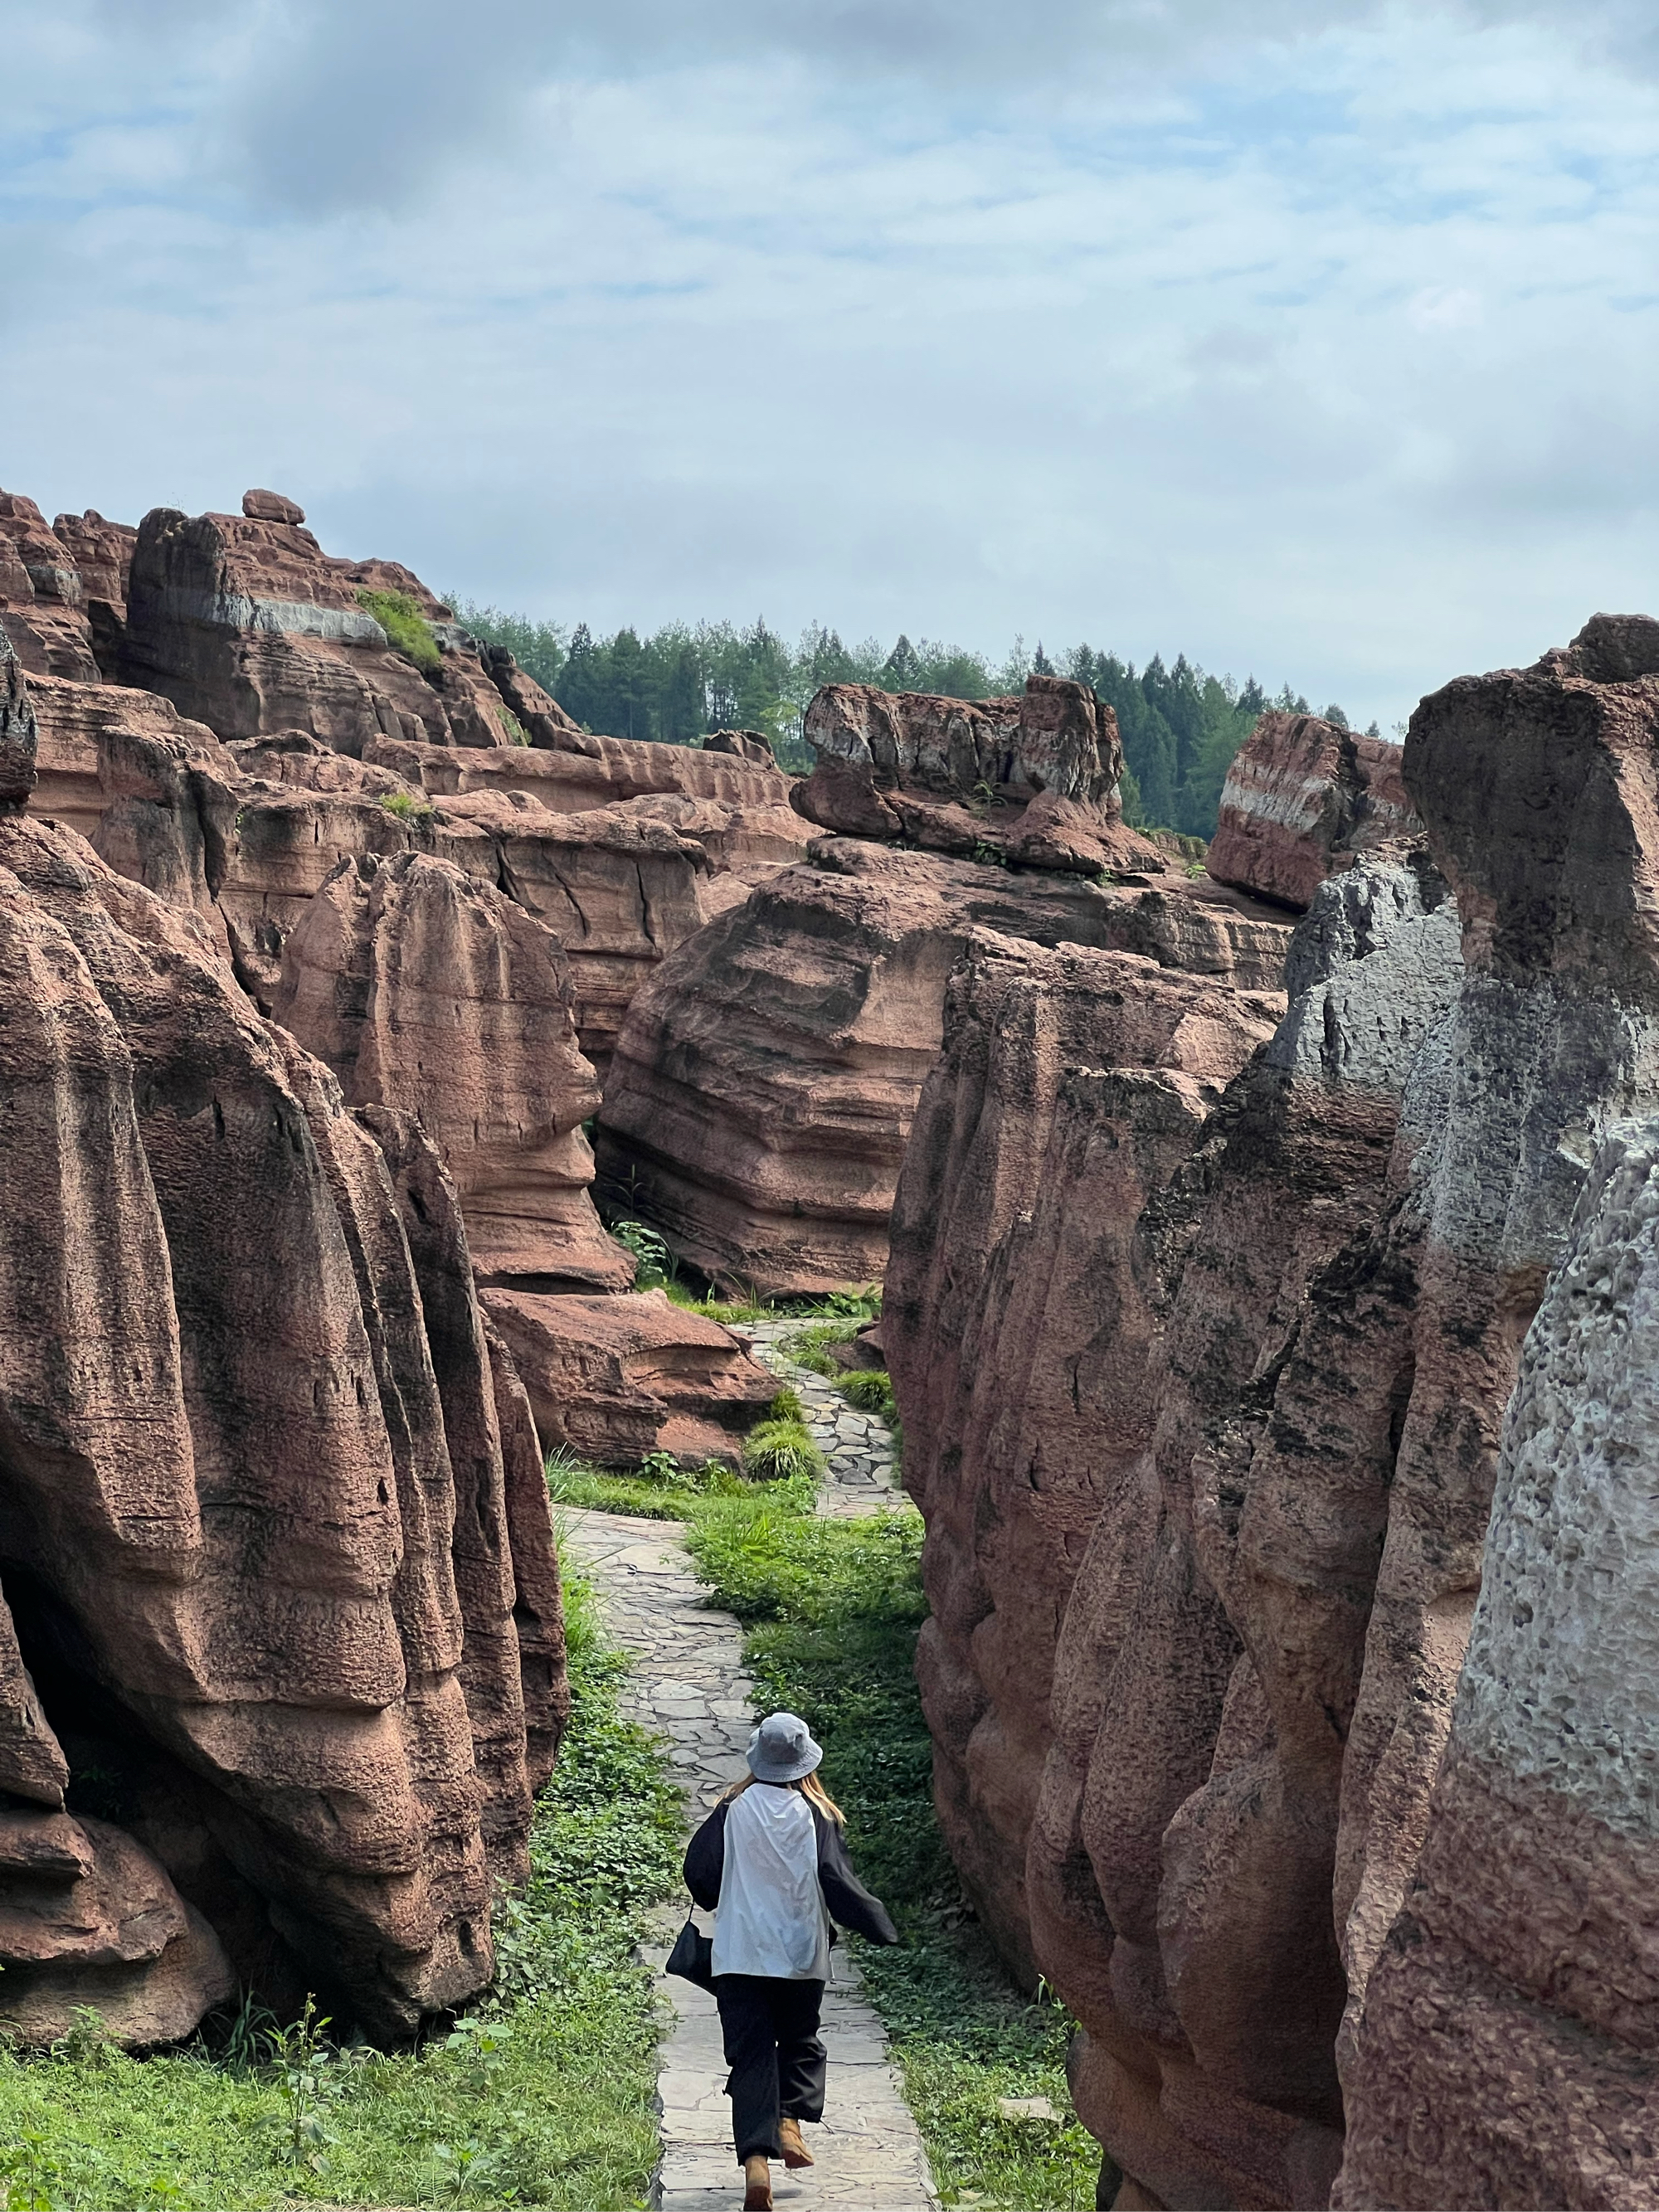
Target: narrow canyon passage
688 1682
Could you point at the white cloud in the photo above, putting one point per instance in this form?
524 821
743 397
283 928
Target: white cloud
1324 355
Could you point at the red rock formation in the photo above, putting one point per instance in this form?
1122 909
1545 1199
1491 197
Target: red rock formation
154 795
1303 799
762 1087
1070 1085
245 624
1506 2053
227 1512
1253 1681
612 1379
958 775
432 993
605 770
41 609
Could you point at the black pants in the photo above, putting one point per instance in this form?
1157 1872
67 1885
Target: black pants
770 2029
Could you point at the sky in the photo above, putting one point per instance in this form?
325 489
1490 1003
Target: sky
1321 347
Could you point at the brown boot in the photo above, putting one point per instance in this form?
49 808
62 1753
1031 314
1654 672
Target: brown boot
795 2152
758 2183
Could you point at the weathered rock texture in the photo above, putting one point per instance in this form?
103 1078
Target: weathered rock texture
245 624
762 1087
1038 776
611 1379
1070 1085
234 1440
1302 801
431 993
1507 2053
42 605
1254 1679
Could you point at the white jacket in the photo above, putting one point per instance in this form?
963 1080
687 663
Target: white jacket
771 1917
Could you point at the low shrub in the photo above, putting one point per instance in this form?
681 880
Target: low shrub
870 1387
406 807
782 1451
407 630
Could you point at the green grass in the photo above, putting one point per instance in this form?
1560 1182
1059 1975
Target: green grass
408 631
871 1388
543 2097
832 1610
406 807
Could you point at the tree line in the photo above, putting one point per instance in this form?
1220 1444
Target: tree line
1180 726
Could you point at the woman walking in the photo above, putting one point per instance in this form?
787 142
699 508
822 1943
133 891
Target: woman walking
770 1862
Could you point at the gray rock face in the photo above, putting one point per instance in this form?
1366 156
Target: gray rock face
1373 966
1518 1978
17 729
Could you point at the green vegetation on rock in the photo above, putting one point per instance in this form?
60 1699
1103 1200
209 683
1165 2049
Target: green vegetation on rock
408 631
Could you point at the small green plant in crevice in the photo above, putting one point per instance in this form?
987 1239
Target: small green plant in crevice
1196 869
653 1263
516 731
408 631
714 1307
406 807
989 855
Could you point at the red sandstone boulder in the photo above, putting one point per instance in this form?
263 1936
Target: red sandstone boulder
612 1379
1253 1681
1301 801
605 770
245 624
958 775
761 1095
433 994
271 507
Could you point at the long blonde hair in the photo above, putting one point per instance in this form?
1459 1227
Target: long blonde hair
810 1788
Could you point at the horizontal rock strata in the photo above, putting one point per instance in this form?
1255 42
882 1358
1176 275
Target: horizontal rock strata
433 993
1036 777
763 1085
1303 800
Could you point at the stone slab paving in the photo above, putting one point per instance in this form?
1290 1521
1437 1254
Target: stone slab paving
689 1684
863 1475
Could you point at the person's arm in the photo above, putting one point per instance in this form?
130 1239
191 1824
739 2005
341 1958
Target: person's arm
705 1860
848 1901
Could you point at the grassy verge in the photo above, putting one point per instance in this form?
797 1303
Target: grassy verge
833 1609
541 2097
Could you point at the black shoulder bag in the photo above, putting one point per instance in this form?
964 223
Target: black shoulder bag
693 1956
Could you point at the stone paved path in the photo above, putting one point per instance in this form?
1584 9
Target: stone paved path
688 1683
863 1475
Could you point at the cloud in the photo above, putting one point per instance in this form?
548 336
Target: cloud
1323 356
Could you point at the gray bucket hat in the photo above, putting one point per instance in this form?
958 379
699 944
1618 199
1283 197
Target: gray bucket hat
782 1749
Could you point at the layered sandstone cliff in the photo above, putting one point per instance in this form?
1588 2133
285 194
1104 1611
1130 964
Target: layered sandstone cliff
260 1547
1253 1677
762 1088
1304 799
